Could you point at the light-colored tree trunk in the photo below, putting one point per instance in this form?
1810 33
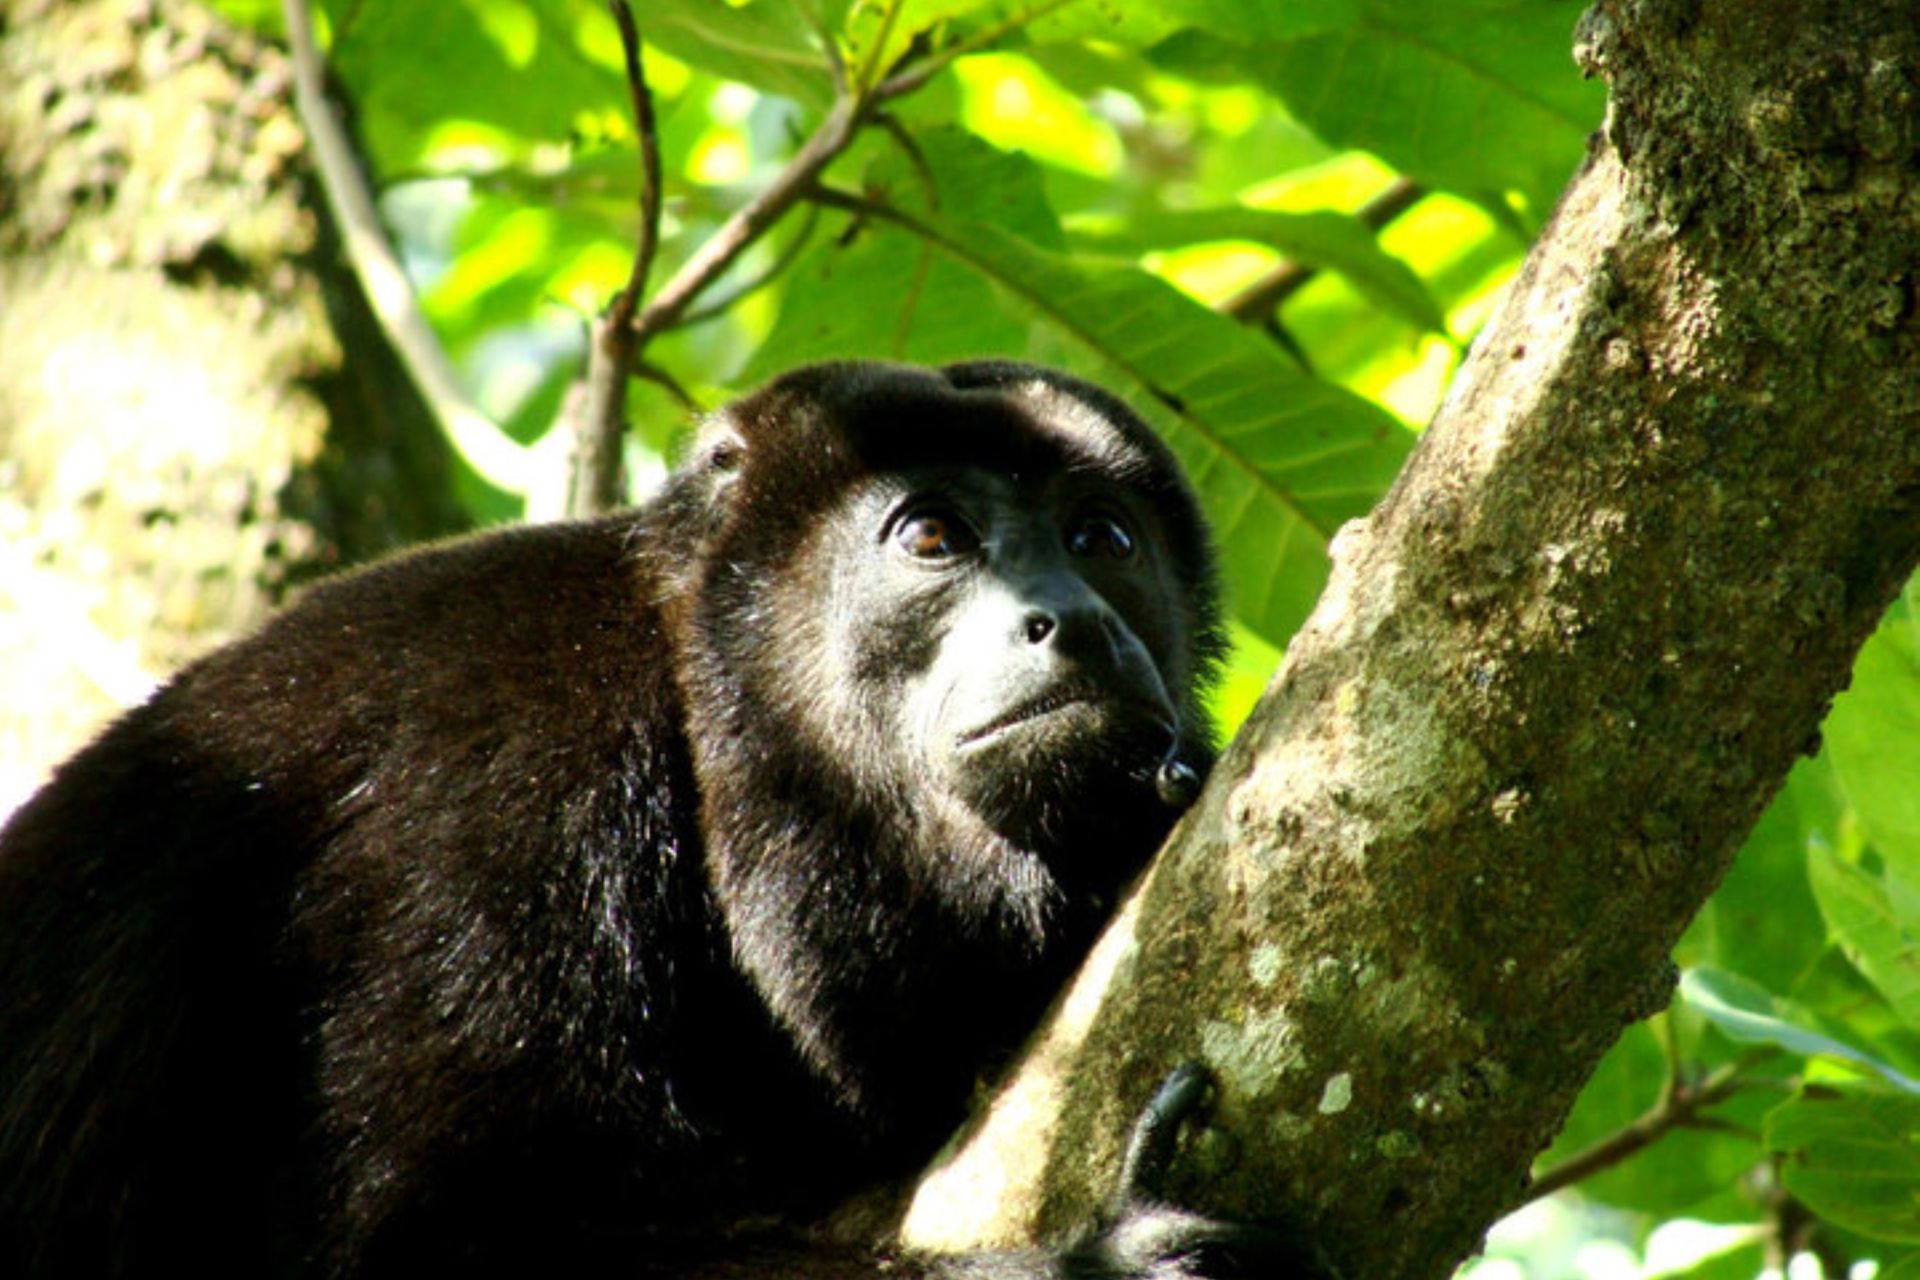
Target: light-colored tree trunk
195 412
1553 681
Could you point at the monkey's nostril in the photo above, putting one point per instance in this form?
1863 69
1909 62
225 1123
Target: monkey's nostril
1039 626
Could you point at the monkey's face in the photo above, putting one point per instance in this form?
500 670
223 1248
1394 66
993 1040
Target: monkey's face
1008 648
978 598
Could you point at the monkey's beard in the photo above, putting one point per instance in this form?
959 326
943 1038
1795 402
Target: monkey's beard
1075 786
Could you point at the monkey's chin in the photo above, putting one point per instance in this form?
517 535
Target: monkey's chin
1074 784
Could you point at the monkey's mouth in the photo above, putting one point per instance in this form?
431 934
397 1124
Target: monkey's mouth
1023 713
1069 705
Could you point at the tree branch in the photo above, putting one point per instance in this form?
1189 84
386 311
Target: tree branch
500 460
1553 679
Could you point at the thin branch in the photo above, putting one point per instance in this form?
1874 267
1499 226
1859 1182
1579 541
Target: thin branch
836 65
1679 1107
498 458
648 131
597 424
1263 297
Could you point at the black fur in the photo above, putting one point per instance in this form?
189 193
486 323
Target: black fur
574 894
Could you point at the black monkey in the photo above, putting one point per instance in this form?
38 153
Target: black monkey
572 895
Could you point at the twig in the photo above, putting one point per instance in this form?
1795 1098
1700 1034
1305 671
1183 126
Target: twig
1263 297
649 135
596 423
1679 1107
497 457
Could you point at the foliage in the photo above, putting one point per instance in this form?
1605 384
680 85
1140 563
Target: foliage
1097 185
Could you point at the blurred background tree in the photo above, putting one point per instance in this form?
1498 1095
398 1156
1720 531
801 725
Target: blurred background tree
1271 228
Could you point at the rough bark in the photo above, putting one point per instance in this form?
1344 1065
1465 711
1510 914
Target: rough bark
194 410
1554 679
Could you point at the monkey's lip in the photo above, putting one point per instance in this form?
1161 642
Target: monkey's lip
1055 703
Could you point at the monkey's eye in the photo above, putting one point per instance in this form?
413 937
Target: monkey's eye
935 533
1100 535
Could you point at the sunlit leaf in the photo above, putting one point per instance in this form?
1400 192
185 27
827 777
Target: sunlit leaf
522 75
1329 240
1763 922
1741 1262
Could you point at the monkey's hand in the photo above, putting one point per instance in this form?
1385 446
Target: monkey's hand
1146 1239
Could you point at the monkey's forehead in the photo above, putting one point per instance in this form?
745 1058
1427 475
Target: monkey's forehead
885 417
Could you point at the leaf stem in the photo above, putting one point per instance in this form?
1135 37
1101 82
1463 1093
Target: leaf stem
1678 1107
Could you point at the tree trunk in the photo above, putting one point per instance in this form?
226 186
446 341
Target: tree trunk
195 409
1553 681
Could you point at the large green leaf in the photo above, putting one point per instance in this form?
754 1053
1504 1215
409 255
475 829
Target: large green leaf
894 296
884 296
1332 241
1477 97
1853 1157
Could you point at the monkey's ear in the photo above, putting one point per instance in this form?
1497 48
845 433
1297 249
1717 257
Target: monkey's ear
715 458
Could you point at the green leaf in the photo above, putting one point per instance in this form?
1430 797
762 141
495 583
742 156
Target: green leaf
1873 737
1880 940
1853 1157
885 296
1331 241
1260 21
1763 922
1476 97
410 105
767 44
1749 1014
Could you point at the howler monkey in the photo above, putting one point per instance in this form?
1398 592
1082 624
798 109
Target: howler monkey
572 894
